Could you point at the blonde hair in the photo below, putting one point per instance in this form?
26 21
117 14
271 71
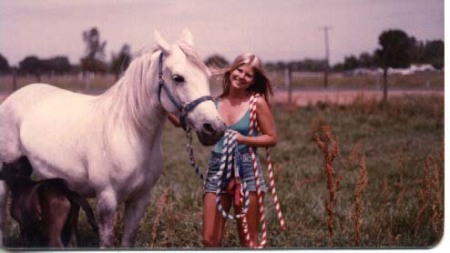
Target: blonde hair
261 83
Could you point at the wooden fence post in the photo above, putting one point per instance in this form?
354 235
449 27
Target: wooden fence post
288 82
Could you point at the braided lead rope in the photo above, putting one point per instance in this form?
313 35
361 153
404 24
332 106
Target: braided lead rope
226 163
274 192
190 151
262 217
246 195
244 191
254 126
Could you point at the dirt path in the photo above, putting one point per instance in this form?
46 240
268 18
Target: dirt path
312 97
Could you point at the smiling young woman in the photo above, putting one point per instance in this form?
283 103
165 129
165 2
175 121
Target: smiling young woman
241 80
244 78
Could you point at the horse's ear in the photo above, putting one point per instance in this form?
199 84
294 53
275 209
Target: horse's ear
187 37
161 42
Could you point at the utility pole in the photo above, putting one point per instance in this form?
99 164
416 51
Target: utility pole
327 56
287 81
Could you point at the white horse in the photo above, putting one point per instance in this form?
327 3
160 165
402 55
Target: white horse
109 146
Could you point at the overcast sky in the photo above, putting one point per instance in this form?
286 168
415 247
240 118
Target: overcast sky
273 29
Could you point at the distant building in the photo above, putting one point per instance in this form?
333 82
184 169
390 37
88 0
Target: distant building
363 72
414 68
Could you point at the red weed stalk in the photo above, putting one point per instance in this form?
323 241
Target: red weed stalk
171 220
430 198
424 193
359 202
381 219
160 204
437 217
355 153
385 191
332 179
400 186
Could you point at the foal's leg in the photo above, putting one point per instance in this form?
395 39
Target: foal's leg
134 210
55 212
107 215
3 201
72 224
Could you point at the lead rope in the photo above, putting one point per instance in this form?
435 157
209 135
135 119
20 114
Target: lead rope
253 128
228 162
190 151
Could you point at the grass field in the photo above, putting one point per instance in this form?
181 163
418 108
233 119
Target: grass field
389 171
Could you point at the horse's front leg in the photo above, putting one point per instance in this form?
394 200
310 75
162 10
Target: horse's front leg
134 211
3 201
107 215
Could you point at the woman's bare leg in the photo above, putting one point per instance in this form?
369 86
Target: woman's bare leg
252 222
213 221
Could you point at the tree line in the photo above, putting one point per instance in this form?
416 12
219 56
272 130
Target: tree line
94 60
428 52
396 49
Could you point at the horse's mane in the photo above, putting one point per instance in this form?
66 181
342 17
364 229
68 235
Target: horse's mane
132 96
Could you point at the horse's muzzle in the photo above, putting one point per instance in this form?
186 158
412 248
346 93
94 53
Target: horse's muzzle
211 132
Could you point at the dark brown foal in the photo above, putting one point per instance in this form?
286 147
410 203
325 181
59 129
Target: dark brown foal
47 211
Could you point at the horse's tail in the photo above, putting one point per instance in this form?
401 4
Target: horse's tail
81 201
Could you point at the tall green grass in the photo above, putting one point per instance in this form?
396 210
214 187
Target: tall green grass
400 145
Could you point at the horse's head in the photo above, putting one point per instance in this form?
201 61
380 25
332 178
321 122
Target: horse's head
184 88
16 170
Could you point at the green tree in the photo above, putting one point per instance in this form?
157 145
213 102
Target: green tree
351 62
95 52
60 64
120 62
216 61
394 53
4 65
32 65
366 60
417 51
434 53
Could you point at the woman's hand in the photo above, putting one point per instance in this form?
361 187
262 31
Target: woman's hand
174 119
239 137
268 134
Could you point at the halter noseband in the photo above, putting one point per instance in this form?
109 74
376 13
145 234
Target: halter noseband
183 109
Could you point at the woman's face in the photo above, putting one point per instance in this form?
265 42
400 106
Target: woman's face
242 77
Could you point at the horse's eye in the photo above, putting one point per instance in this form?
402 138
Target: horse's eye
178 78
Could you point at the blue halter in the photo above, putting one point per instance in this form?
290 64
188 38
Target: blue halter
183 109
